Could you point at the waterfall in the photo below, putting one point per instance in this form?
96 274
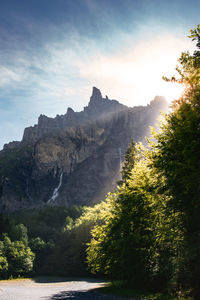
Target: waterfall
56 190
120 158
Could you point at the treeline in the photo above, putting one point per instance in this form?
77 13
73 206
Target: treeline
47 241
32 241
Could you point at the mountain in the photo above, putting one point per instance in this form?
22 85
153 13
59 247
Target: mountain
73 158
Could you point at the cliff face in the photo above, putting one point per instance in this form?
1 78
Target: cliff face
74 158
97 107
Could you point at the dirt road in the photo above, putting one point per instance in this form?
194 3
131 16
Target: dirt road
45 289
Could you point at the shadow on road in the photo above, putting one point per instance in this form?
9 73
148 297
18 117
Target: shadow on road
49 279
82 295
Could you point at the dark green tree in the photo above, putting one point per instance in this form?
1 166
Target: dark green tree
128 163
3 262
19 257
177 157
19 232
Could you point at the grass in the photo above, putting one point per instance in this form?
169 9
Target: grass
15 279
117 289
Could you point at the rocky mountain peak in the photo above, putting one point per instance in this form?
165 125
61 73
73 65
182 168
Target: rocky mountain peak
96 96
97 107
70 111
100 107
159 102
73 158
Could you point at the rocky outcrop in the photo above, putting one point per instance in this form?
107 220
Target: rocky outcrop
72 158
97 107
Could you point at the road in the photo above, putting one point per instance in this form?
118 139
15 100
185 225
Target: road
45 289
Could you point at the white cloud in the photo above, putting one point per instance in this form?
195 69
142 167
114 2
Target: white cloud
131 74
9 76
62 74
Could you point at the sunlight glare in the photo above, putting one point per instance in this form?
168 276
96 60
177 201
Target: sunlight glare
134 76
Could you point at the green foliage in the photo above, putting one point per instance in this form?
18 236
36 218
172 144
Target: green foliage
42 251
3 261
19 233
73 241
128 162
16 258
177 157
43 230
3 266
121 248
47 222
152 231
120 290
195 36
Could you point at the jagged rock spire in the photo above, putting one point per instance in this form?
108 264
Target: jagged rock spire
96 96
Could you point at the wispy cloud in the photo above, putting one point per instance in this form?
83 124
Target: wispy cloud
51 66
61 70
8 76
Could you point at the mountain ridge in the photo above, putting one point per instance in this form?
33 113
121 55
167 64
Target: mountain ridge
74 158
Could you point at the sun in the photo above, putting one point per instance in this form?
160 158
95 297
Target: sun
172 91
134 75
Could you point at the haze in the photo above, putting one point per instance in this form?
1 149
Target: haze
53 52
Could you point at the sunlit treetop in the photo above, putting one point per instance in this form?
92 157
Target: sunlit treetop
189 69
195 36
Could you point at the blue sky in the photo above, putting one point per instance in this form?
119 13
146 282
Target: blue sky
53 51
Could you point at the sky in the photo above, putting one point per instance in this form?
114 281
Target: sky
52 52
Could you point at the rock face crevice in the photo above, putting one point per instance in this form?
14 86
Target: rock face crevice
78 153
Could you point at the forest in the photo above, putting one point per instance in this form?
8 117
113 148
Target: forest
145 233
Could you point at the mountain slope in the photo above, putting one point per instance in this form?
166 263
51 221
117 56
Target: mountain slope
74 158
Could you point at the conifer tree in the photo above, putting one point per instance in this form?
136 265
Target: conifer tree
129 161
